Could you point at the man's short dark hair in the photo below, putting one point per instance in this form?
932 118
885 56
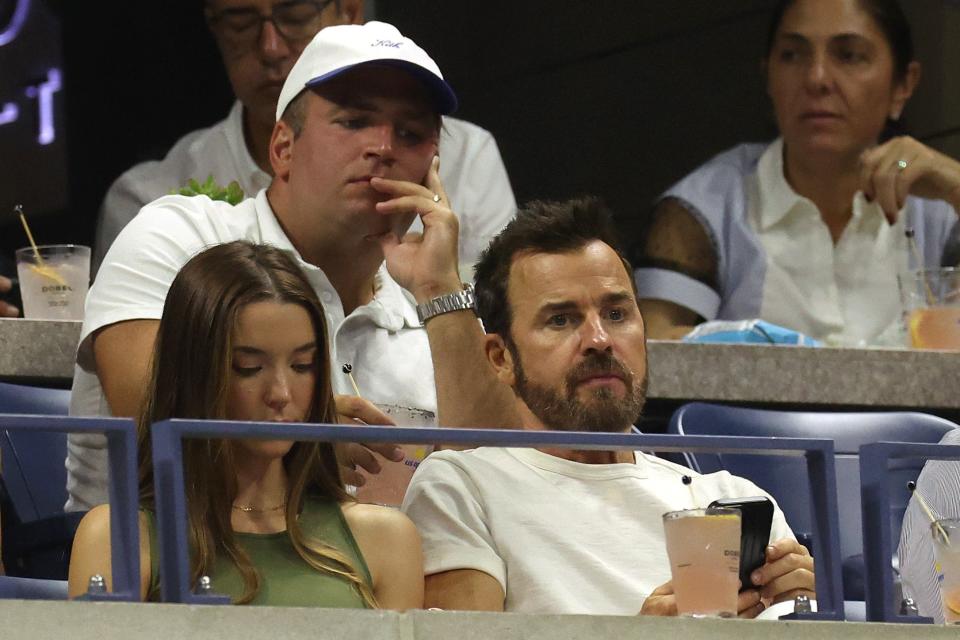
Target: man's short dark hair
540 227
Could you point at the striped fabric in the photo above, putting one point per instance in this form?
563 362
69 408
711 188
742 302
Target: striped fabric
939 484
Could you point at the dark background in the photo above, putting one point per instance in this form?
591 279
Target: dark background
613 97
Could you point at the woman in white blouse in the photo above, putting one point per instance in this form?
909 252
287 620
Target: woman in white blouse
809 231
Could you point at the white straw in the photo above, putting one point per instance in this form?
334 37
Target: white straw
687 480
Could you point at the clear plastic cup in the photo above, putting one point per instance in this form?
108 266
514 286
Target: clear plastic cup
704 550
931 307
389 486
54 287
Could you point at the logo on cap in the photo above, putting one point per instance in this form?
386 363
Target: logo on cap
387 43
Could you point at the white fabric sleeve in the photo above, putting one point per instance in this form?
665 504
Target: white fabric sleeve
120 205
445 504
673 286
141 264
478 184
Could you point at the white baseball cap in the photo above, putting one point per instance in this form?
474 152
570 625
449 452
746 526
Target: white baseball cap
337 49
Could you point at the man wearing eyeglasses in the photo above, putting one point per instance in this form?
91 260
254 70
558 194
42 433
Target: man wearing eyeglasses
259 41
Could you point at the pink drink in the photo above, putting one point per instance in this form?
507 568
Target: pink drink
935 328
389 486
704 550
931 307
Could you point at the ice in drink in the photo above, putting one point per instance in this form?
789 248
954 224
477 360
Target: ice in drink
54 287
935 328
948 566
389 486
704 550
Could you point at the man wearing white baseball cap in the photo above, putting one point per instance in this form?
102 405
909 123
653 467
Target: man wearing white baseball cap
259 41
354 158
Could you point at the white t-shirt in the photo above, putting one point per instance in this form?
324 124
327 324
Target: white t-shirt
559 536
845 293
383 339
471 170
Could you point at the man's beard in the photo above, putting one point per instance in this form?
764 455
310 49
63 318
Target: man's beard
603 411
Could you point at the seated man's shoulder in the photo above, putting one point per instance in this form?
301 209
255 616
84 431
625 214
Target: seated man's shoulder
193 215
459 137
468 463
719 484
151 179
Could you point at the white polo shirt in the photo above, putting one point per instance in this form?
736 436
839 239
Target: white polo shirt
382 340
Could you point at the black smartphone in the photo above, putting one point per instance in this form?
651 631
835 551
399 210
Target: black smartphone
756 518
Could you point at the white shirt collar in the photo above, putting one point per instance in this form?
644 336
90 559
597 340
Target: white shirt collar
778 199
555 464
389 309
237 144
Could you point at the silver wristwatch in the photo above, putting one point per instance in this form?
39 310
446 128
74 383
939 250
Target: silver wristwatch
456 301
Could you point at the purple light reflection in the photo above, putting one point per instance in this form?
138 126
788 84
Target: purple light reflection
9 114
20 11
44 95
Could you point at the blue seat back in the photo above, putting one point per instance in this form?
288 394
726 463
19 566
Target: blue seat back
32 588
33 462
121 437
785 479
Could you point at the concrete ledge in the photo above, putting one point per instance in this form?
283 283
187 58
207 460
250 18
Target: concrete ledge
38 350
105 621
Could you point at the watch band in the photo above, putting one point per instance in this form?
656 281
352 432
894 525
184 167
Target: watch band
456 301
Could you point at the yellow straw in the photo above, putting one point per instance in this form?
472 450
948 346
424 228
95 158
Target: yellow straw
926 509
26 227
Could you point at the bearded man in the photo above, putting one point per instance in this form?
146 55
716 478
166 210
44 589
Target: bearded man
554 530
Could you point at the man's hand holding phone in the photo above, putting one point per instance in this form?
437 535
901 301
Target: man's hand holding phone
787 573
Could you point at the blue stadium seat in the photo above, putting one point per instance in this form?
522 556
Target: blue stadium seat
32 588
784 479
37 532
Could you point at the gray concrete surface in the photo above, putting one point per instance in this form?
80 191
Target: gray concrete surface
106 621
32 350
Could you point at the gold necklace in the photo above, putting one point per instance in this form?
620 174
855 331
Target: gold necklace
246 508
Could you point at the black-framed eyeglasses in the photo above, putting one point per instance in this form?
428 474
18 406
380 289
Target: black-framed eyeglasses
295 20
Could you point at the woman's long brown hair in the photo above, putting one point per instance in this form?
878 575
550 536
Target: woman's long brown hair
189 375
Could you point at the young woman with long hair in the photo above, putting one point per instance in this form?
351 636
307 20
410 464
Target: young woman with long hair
243 337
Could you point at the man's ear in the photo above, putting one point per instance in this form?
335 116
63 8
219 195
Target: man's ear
500 358
351 12
281 149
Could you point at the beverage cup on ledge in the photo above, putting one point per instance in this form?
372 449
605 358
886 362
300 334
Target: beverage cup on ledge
931 307
948 566
55 286
704 550
389 486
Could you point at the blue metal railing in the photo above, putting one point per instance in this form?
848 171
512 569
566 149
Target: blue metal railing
875 505
171 513
121 434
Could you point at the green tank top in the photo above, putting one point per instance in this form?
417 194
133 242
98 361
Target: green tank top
286 580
